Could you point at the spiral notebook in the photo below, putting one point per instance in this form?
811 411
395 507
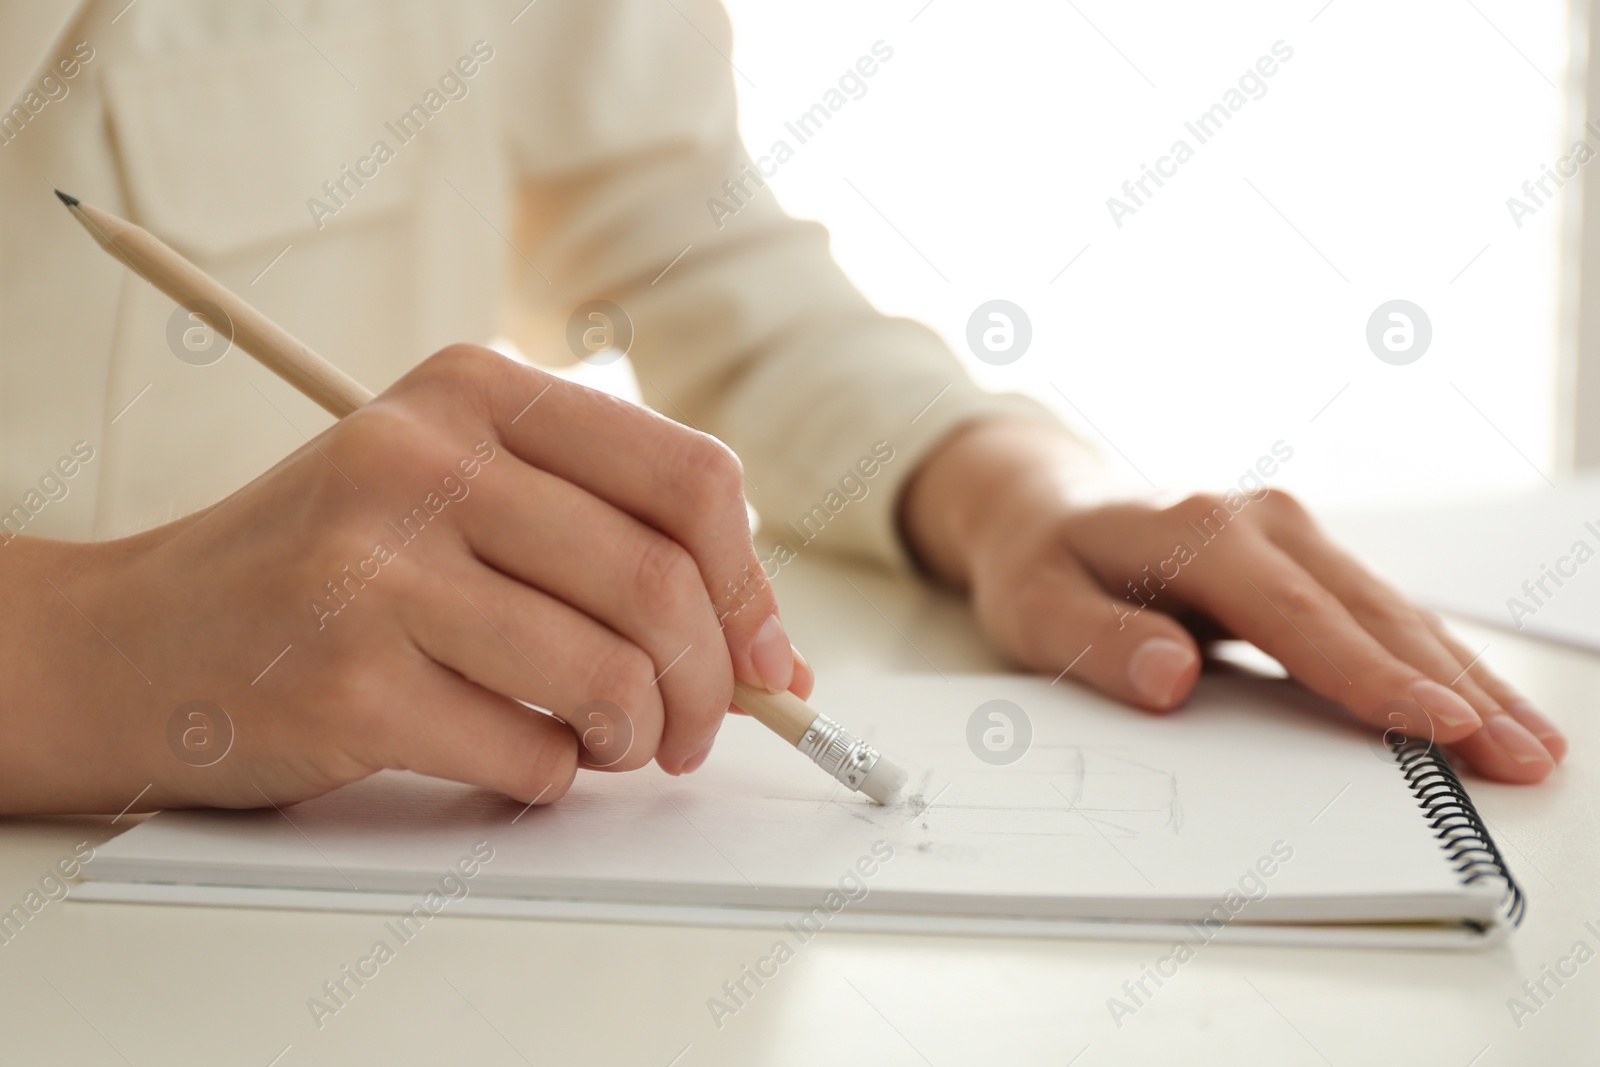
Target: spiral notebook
1256 813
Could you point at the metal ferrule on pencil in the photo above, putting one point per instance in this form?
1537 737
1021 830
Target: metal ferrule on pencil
839 752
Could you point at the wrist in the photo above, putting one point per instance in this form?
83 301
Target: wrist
984 482
71 745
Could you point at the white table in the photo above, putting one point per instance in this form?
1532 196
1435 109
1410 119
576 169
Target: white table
1473 557
107 984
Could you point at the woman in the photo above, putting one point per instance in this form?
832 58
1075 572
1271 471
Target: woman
387 180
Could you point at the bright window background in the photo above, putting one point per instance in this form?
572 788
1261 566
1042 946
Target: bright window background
1230 311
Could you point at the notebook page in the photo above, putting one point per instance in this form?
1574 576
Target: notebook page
1100 812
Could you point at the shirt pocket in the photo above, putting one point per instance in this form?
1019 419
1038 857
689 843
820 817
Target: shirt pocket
231 148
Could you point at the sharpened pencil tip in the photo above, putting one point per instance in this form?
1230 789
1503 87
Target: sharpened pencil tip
67 198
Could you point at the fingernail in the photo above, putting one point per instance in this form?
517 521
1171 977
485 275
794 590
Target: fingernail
1156 669
1445 705
805 679
772 655
1519 744
1540 726
693 762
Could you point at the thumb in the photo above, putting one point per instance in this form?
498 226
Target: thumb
1065 623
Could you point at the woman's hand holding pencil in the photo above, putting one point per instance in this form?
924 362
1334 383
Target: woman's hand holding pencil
609 544
480 533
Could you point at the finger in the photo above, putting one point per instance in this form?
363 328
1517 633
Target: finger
1516 705
1386 614
684 483
1505 751
805 680
1265 597
449 727
1067 626
568 543
522 643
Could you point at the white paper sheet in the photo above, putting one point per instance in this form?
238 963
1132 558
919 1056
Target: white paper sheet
1110 820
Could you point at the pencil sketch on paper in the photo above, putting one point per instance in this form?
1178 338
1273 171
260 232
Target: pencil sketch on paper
1068 791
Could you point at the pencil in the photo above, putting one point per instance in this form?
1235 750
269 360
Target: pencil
847 758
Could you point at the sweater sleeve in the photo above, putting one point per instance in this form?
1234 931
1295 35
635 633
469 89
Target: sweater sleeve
742 325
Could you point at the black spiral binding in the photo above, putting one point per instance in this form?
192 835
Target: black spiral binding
1455 820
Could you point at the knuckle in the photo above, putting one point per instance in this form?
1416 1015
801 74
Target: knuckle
1202 514
391 449
622 681
1201 508
745 601
624 675
460 361
550 773
1035 600
1379 606
386 434
712 475
463 373
627 749
1301 599
1284 507
665 578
